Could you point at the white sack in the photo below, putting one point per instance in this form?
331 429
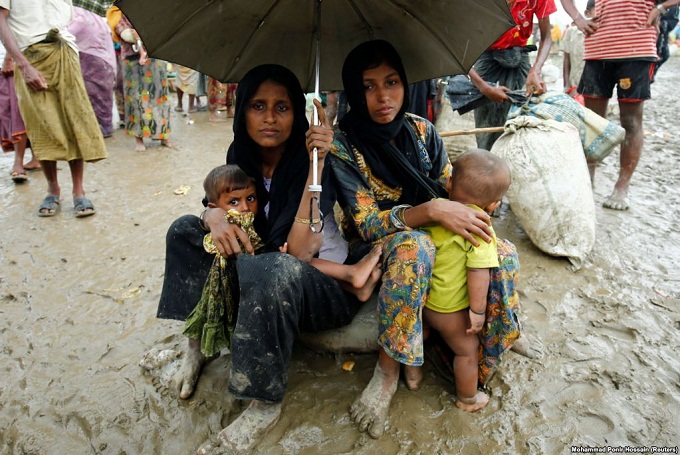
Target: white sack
550 193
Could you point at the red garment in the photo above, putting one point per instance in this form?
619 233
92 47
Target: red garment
622 31
524 11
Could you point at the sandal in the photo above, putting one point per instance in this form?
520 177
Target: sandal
50 206
19 177
83 207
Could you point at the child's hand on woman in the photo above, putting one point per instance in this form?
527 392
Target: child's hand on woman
476 322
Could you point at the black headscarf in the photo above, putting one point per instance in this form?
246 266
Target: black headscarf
397 166
290 175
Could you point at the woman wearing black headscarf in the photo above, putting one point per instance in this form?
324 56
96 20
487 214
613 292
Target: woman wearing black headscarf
279 295
388 167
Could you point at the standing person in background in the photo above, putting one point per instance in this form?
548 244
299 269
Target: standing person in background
52 98
620 52
505 65
113 15
12 128
147 110
97 63
187 83
221 100
665 17
572 47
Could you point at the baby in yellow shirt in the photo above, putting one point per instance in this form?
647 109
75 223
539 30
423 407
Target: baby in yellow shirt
456 307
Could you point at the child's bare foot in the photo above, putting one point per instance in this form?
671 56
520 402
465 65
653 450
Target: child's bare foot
366 291
361 271
247 430
618 200
472 404
139 144
413 377
369 411
184 381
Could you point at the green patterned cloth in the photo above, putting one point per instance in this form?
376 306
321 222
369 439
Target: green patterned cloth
213 319
96 6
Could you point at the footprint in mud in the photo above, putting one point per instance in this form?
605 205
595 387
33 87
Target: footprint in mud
591 423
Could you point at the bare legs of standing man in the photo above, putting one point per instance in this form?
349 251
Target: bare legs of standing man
631 148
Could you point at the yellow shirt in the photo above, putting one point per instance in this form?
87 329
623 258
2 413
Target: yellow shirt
448 287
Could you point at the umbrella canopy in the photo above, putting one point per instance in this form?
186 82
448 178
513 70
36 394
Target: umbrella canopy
226 38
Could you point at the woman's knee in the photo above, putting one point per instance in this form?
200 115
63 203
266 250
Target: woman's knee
410 245
181 226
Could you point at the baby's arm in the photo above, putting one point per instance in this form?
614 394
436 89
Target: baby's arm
478 287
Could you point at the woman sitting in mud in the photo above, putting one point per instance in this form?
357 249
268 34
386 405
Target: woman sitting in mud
272 144
387 166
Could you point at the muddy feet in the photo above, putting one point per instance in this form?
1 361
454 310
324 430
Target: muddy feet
246 431
472 404
184 381
369 411
618 200
413 377
528 346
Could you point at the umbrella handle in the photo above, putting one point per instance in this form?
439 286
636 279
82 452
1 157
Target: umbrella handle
315 187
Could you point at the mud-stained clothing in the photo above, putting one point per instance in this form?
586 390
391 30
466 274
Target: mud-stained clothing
279 297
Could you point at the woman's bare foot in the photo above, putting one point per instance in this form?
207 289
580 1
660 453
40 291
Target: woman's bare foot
184 381
527 346
472 404
413 377
362 270
369 411
167 143
366 291
250 427
139 144
618 200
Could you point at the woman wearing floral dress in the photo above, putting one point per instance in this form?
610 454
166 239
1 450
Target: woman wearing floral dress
145 85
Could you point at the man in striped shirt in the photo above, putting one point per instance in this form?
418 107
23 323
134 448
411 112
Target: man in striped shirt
620 50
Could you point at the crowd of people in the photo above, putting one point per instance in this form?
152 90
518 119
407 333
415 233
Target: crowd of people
415 227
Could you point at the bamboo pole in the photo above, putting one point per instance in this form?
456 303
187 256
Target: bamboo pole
495 129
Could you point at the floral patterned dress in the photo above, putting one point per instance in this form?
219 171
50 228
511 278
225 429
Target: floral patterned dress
370 209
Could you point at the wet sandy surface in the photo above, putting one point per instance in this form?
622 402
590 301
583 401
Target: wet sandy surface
78 300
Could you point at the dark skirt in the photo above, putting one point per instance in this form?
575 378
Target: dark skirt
279 298
492 68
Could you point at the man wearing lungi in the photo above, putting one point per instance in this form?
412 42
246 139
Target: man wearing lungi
59 118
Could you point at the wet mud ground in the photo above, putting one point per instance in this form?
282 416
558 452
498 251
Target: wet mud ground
78 300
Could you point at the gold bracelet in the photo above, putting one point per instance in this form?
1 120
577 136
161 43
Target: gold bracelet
307 220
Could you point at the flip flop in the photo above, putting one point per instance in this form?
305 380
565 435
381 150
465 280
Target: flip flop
19 177
83 207
32 168
51 205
